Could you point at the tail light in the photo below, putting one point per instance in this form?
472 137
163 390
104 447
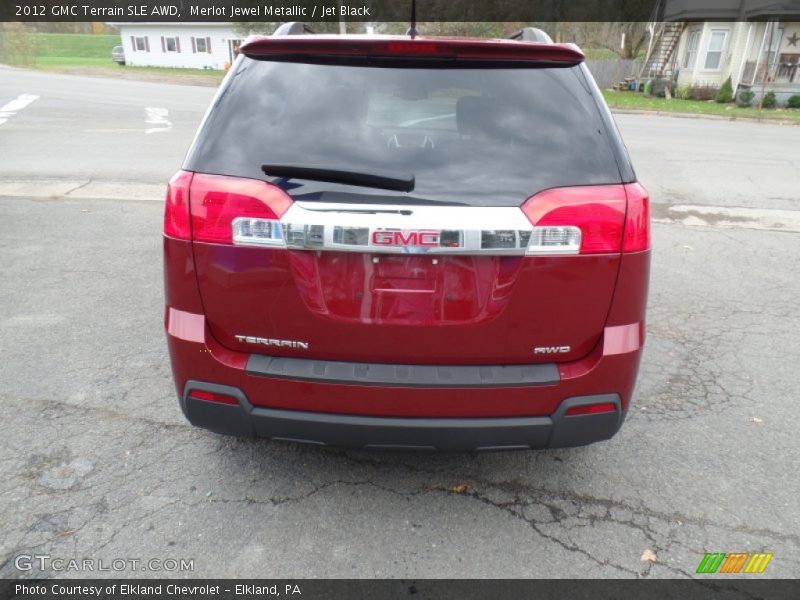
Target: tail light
589 220
637 220
577 220
176 207
228 210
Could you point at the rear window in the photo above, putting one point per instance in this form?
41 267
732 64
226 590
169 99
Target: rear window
482 137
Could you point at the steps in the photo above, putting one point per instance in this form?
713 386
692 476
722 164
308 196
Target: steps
660 62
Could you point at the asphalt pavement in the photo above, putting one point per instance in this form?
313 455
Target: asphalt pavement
97 461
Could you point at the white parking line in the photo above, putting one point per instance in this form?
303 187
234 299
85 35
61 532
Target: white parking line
157 116
9 109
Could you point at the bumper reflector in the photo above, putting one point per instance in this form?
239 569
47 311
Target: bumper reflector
591 409
213 397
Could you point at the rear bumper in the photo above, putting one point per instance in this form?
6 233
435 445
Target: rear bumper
368 405
553 431
376 390
374 404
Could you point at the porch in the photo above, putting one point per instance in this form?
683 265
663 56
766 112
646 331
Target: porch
784 73
773 59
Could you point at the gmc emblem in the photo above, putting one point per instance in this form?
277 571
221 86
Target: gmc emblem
425 238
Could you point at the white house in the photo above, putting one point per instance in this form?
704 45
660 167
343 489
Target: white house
182 45
754 42
747 52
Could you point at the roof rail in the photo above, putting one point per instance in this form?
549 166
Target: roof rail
531 34
294 28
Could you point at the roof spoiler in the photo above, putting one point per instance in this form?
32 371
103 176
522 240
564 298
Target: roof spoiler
531 34
294 28
331 49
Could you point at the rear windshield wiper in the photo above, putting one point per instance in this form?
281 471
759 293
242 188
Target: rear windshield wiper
374 178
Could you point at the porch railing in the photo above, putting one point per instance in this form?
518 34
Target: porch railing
785 70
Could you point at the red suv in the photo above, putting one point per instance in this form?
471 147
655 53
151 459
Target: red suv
407 242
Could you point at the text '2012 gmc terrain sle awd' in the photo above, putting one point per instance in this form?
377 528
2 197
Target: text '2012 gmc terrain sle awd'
404 242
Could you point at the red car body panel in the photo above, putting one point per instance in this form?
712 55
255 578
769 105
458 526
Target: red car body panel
405 309
610 366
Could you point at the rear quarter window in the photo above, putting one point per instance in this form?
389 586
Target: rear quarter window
483 137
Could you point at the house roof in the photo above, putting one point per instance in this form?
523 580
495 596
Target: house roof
730 10
789 9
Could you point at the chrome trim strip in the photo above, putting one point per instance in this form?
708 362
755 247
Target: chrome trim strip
405 229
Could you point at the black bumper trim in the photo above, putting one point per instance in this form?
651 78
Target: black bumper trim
356 431
328 371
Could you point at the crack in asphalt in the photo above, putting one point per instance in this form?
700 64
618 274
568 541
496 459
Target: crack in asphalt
553 501
561 506
78 187
511 508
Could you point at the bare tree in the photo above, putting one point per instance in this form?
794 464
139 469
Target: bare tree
626 39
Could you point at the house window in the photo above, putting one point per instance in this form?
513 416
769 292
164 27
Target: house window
171 44
716 44
140 44
202 44
691 49
777 37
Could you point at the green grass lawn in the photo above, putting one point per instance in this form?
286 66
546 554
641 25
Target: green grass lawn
69 51
66 63
209 73
53 49
72 61
638 101
75 45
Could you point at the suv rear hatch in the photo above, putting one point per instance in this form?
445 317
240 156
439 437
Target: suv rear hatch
431 202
